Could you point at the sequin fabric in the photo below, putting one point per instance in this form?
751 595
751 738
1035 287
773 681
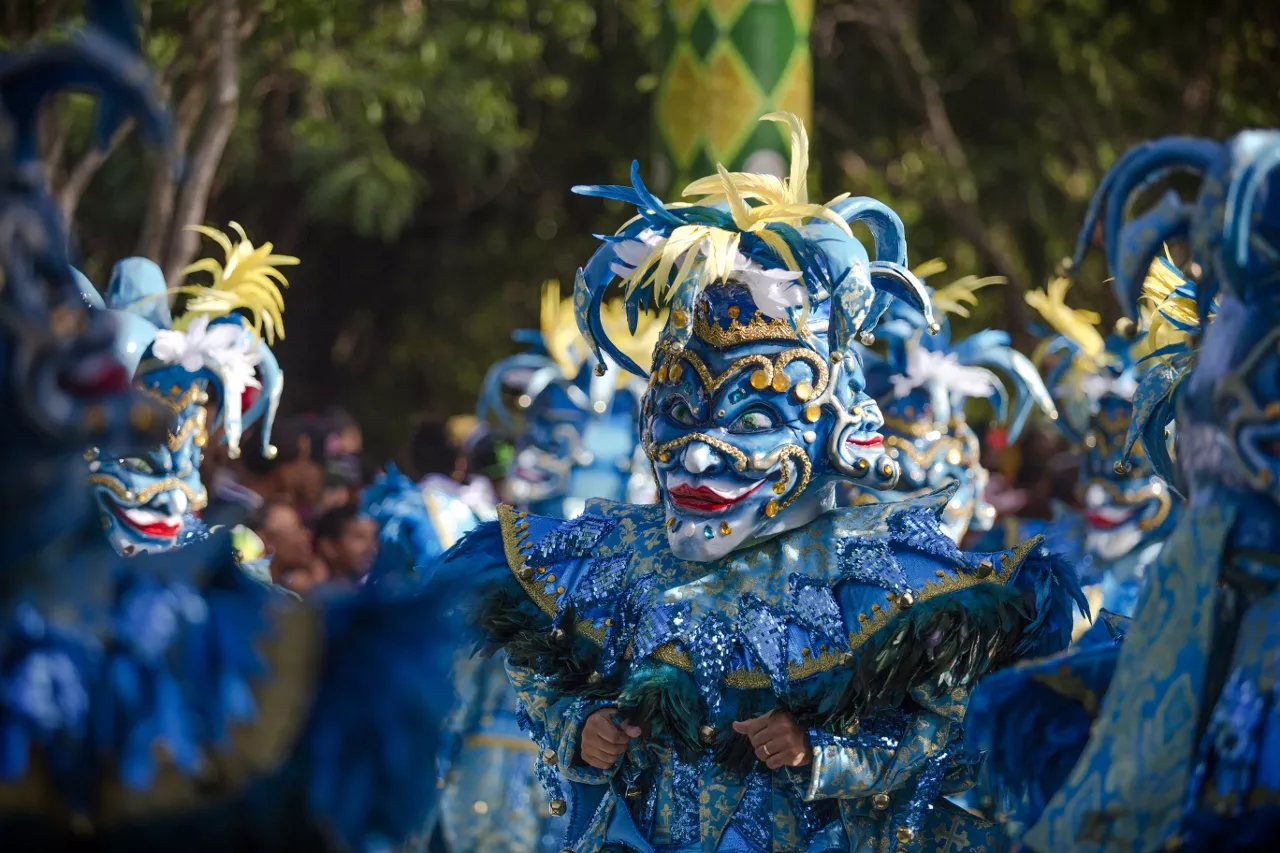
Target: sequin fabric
1232 739
574 538
917 528
765 632
814 607
683 821
870 561
928 787
754 817
711 652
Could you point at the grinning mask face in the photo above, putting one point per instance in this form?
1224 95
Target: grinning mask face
147 499
750 425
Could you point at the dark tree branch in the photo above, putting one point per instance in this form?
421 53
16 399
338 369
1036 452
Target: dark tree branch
72 190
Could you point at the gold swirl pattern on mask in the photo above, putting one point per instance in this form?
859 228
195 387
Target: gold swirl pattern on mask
803 476
769 367
177 397
534 580
189 426
1154 491
754 330
951 450
198 500
662 452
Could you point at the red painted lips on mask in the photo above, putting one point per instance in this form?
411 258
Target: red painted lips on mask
704 499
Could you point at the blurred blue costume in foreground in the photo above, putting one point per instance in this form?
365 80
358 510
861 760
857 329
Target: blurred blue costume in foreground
922 385
1185 747
747 591
166 701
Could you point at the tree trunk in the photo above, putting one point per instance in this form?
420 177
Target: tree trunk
193 195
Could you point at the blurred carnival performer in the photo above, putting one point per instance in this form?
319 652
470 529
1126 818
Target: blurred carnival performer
922 384
1182 751
165 701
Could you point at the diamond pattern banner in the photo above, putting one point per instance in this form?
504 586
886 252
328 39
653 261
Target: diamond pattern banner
726 63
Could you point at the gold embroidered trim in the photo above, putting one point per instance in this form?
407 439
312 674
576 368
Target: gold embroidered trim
515 541
953 448
756 329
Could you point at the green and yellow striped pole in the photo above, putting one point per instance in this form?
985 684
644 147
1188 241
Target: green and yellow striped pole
726 63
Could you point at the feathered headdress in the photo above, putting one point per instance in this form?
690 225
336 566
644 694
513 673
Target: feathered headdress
758 230
1080 365
223 334
247 280
981 366
558 354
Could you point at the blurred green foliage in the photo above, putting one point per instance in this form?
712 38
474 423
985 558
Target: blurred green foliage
418 154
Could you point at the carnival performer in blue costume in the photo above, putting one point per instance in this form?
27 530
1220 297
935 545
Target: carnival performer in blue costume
575 431
1128 511
922 384
1184 750
150 502
746 667
166 701
576 440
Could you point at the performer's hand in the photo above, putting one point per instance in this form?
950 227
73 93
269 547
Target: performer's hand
777 740
603 742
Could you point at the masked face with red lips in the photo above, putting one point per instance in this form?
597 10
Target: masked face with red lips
750 426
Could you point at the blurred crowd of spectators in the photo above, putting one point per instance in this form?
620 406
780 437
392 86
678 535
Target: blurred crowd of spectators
304 501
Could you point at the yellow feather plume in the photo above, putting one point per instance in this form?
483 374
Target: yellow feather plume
1161 309
569 350
957 297
560 331
246 280
755 201
1080 327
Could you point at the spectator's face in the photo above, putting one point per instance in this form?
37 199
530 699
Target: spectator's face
289 540
303 478
351 554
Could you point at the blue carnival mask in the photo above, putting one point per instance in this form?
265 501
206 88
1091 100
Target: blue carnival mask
923 383
146 498
756 406
61 385
574 430
1093 380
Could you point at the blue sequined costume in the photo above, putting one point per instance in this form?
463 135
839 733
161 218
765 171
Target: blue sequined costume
1186 743
165 701
746 591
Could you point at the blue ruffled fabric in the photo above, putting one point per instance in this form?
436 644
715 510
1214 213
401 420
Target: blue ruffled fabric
1033 720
